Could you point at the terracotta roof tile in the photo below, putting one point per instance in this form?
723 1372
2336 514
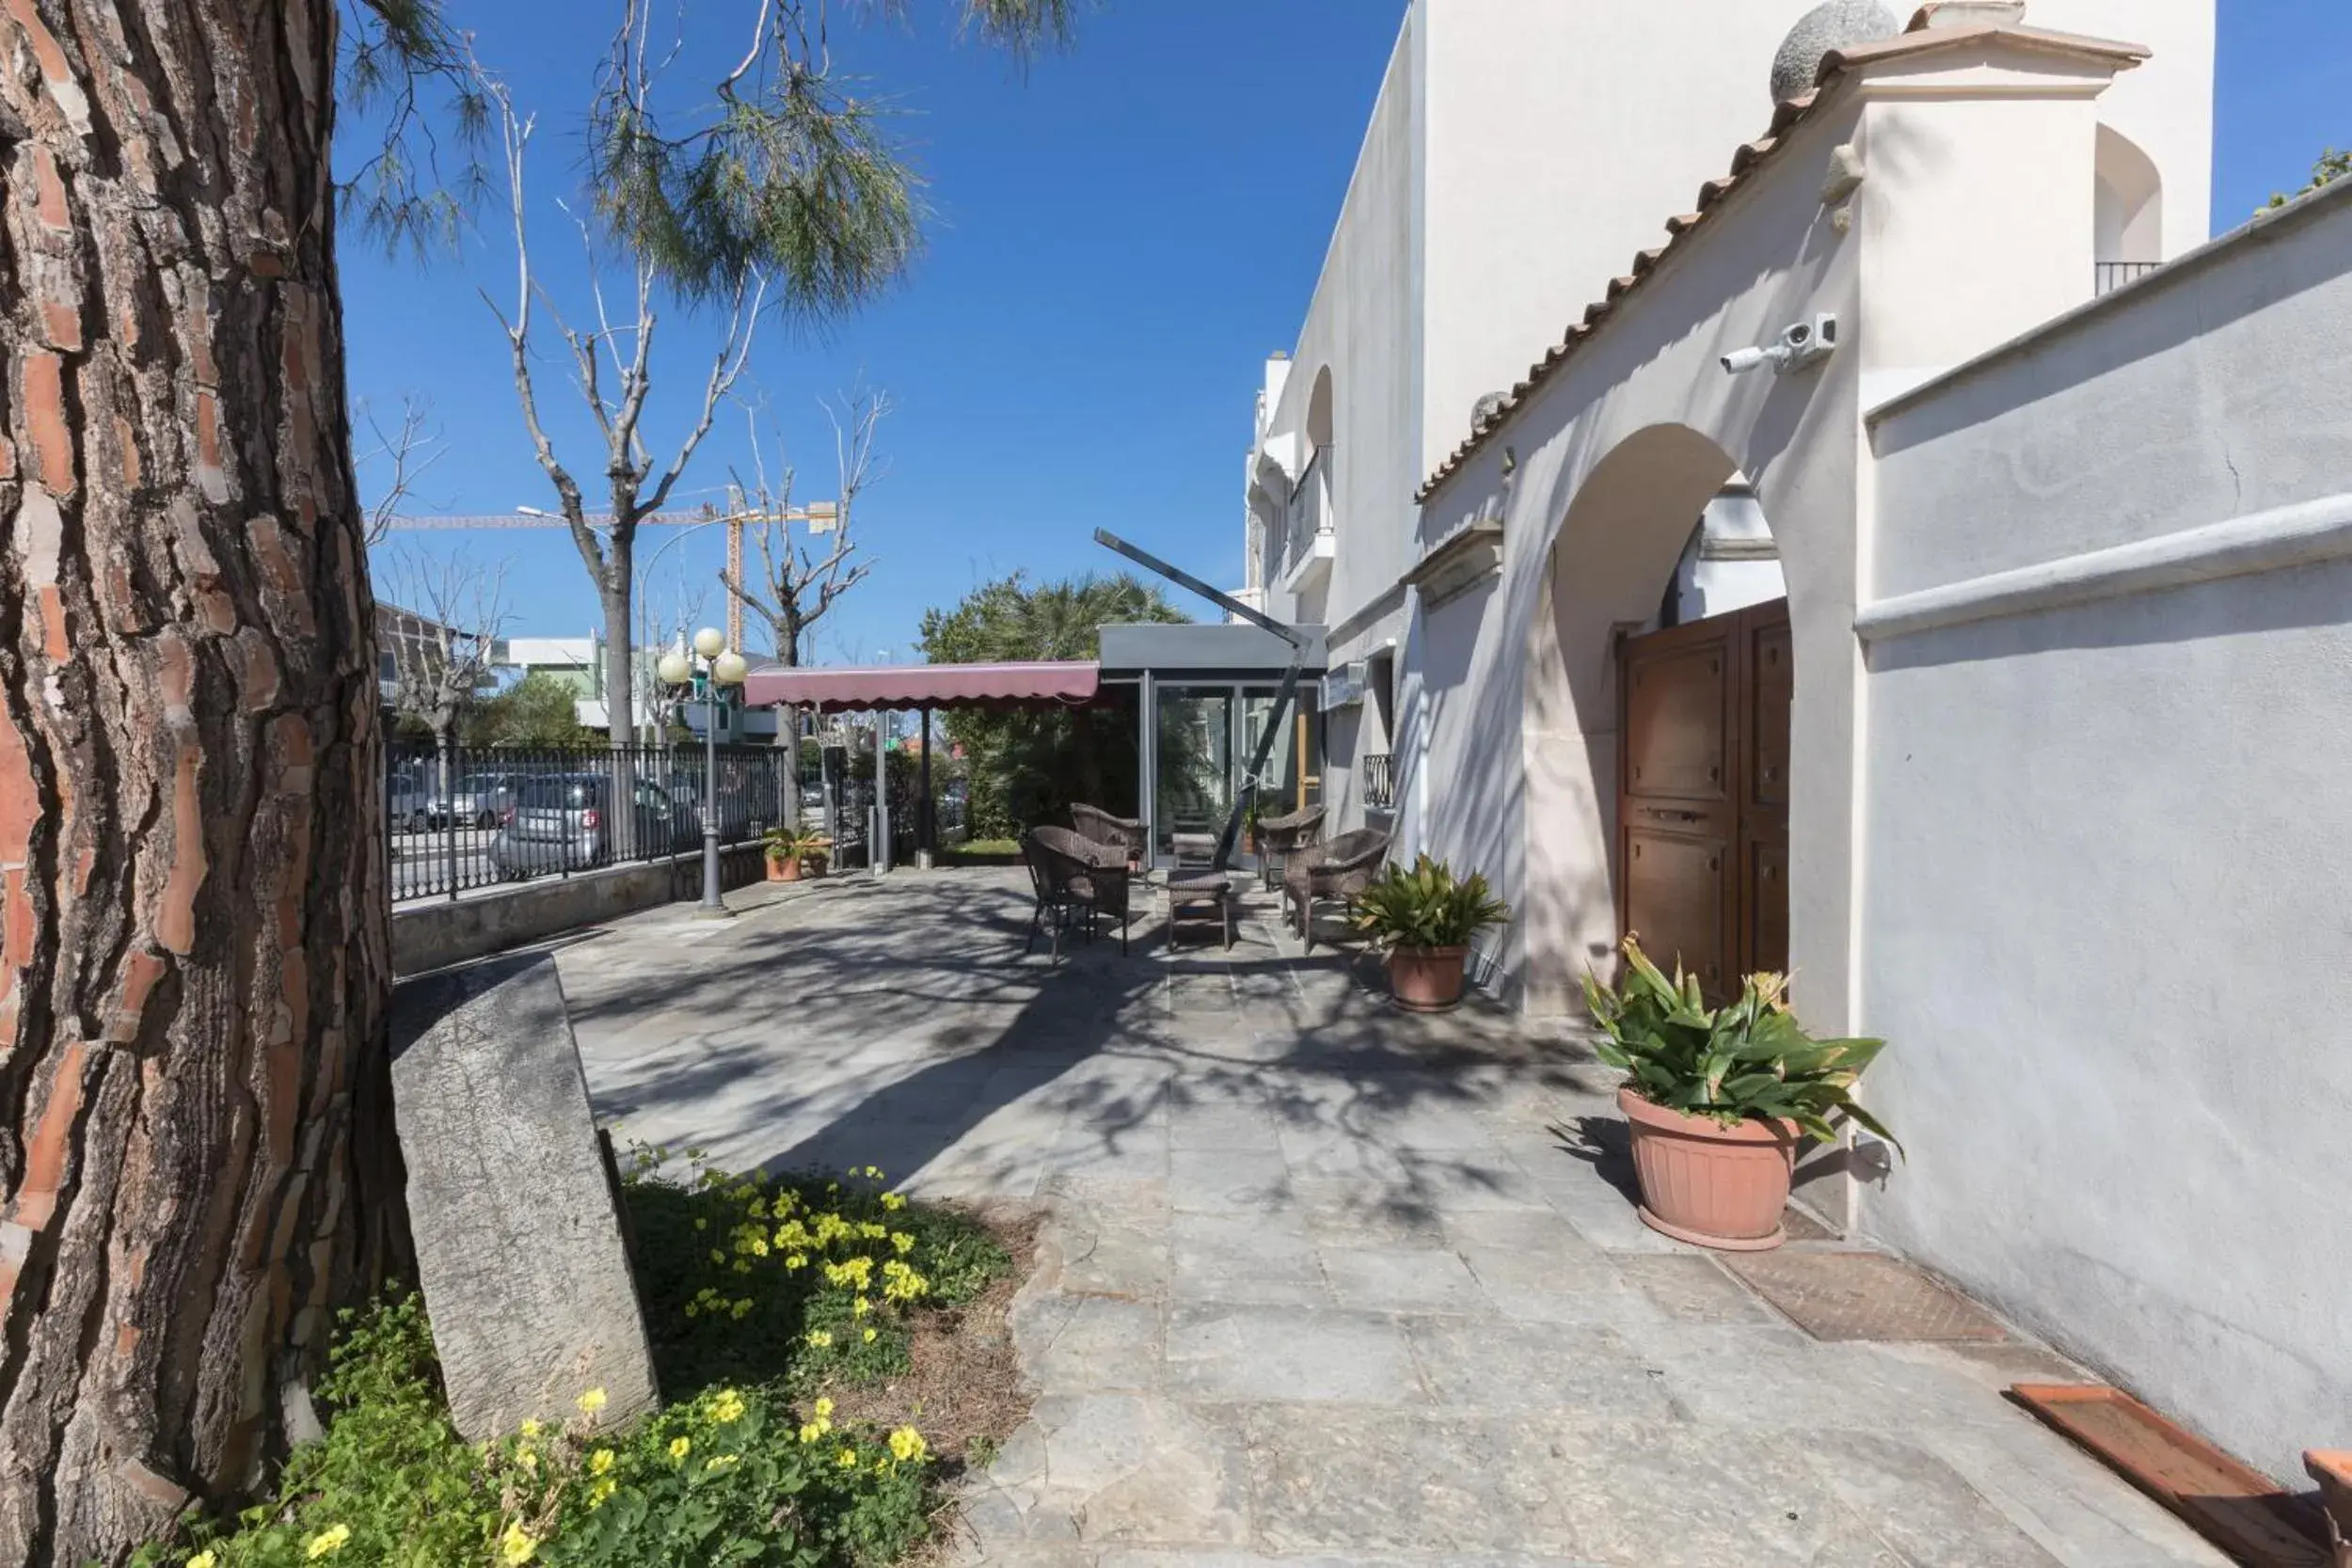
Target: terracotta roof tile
1745 158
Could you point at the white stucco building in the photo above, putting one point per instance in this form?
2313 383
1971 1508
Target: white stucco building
1520 154
2034 769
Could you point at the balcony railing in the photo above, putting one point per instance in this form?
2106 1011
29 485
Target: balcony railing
1378 772
1309 509
2113 275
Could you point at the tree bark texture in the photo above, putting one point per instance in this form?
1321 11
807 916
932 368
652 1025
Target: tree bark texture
194 943
613 584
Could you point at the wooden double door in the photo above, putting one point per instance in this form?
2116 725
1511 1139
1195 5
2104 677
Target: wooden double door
1703 794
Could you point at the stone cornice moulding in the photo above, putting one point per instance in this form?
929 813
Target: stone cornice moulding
1457 562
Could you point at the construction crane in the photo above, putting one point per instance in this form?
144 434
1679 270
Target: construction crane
820 516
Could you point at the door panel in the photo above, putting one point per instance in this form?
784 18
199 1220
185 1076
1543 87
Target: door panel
1679 895
1768 684
1703 798
1676 812
1677 732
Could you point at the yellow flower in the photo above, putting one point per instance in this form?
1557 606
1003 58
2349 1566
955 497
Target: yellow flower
847 1459
600 1462
534 1428
600 1491
516 1544
528 1460
824 1410
725 1461
869 1335
893 1202
201 1559
326 1543
904 1243
820 1338
726 1407
810 1432
907 1446
591 1401
861 1307
680 1447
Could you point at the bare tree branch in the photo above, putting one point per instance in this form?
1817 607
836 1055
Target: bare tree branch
607 545
441 620
798 583
410 448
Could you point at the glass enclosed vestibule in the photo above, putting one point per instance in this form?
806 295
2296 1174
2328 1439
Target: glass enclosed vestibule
1205 697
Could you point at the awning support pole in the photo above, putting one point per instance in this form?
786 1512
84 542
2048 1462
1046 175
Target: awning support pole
930 845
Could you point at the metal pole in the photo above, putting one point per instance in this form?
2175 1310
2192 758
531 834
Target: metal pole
712 903
881 856
931 826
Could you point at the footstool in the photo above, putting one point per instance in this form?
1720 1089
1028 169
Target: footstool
1200 895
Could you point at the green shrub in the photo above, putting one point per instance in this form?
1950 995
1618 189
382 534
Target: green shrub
1426 906
1747 1061
752 1288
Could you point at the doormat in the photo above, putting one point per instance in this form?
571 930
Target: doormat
1862 1295
2238 1509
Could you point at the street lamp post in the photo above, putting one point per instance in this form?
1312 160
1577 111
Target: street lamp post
722 667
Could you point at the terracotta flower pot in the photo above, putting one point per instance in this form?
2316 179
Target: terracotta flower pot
782 868
1426 979
2332 1469
1704 1182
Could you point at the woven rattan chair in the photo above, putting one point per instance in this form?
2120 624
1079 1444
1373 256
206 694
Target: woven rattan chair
1340 869
1122 833
1281 837
1076 875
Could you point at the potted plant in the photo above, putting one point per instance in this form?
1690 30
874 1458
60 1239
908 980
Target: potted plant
1249 814
1426 917
791 850
1719 1099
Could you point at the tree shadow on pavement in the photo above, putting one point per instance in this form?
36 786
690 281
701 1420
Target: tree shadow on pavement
901 1024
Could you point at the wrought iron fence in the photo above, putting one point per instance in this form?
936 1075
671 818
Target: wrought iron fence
473 816
1379 775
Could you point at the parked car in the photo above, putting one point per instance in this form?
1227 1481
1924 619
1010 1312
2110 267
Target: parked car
478 800
406 799
567 822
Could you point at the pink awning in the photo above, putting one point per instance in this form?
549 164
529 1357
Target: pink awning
938 685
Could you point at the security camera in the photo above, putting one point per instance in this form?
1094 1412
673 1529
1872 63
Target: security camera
1799 344
1807 342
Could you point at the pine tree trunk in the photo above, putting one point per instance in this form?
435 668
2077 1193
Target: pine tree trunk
194 937
620 664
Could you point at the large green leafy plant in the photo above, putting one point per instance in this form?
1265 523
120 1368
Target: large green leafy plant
1746 1061
1426 906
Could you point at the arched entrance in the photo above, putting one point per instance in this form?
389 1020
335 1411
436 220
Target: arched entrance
1657 754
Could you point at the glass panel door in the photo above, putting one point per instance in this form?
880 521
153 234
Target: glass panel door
1195 771
1278 785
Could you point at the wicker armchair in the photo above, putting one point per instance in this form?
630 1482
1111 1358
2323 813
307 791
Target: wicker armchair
1284 836
1075 875
1122 833
1340 869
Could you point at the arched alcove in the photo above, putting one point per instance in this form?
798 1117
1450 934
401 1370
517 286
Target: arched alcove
1611 562
2128 204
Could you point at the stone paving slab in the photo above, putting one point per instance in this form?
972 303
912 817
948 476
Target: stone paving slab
1321 1283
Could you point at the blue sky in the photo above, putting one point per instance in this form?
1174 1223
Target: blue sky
1120 240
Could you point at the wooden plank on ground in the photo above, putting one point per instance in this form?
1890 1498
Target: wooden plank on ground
2235 1506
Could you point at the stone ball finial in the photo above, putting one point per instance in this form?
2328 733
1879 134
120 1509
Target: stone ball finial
1832 25
1486 410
